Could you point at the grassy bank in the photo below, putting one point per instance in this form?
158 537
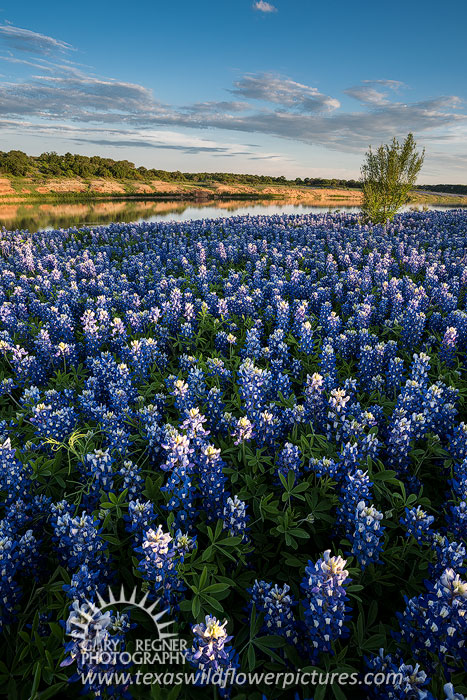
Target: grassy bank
35 190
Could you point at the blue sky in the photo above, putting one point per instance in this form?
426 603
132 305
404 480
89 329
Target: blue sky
289 87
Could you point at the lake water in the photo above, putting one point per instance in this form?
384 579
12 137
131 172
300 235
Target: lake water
35 217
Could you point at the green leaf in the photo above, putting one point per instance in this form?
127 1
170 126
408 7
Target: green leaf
231 541
251 657
320 692
195 607
338 692
213 603
272 641
216 587
203 578
36 680
53 690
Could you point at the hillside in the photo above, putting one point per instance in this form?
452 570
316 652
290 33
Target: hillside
15 189
75 177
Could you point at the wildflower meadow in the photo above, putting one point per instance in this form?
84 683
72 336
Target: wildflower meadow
259 425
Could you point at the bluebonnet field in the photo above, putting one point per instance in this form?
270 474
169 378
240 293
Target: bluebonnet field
259 420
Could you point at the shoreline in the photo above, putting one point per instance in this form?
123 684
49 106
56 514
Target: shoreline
22 191
89 198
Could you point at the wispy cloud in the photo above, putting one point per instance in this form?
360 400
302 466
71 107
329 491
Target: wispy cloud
284 92
32 42
112 112
263 6
149 139
370 92
302 113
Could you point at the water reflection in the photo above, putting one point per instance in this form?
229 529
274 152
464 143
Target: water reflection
42 216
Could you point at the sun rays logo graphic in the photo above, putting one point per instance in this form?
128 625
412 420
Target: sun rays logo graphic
92 616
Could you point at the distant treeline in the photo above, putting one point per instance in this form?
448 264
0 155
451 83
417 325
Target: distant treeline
52 164
450 189
73 165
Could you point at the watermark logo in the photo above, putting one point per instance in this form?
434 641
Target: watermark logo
96 609
94 631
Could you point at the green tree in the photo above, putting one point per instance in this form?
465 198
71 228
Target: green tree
388 175
15 162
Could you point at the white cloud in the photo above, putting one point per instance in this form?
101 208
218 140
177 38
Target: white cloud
31 42
114 113
285 92
368 94
148 139
303 114
262 6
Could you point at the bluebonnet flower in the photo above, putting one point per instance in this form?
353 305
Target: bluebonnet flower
27 551
325 467
402 681
78 539
268 428
196 385
157 564
14 476
235 517
210 649
216 368
458 441
52 422
289 459
459 480
449 555
398 442
252 347
254 385
194 427
10 591
327 366
433 624
179 485
458 519
325 601
183 397
451 694
221 343
366 539
132 479
140 517
92 632
100 470
370 365
84 584
277 606
447 351
413 325
243 430
184 543
356 487
215 408
306 343
282 313
315 402
211 481
418 524
149 421
337 413
187 362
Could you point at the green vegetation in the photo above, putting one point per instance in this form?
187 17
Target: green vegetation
31 171
450 189
388 176
17 163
